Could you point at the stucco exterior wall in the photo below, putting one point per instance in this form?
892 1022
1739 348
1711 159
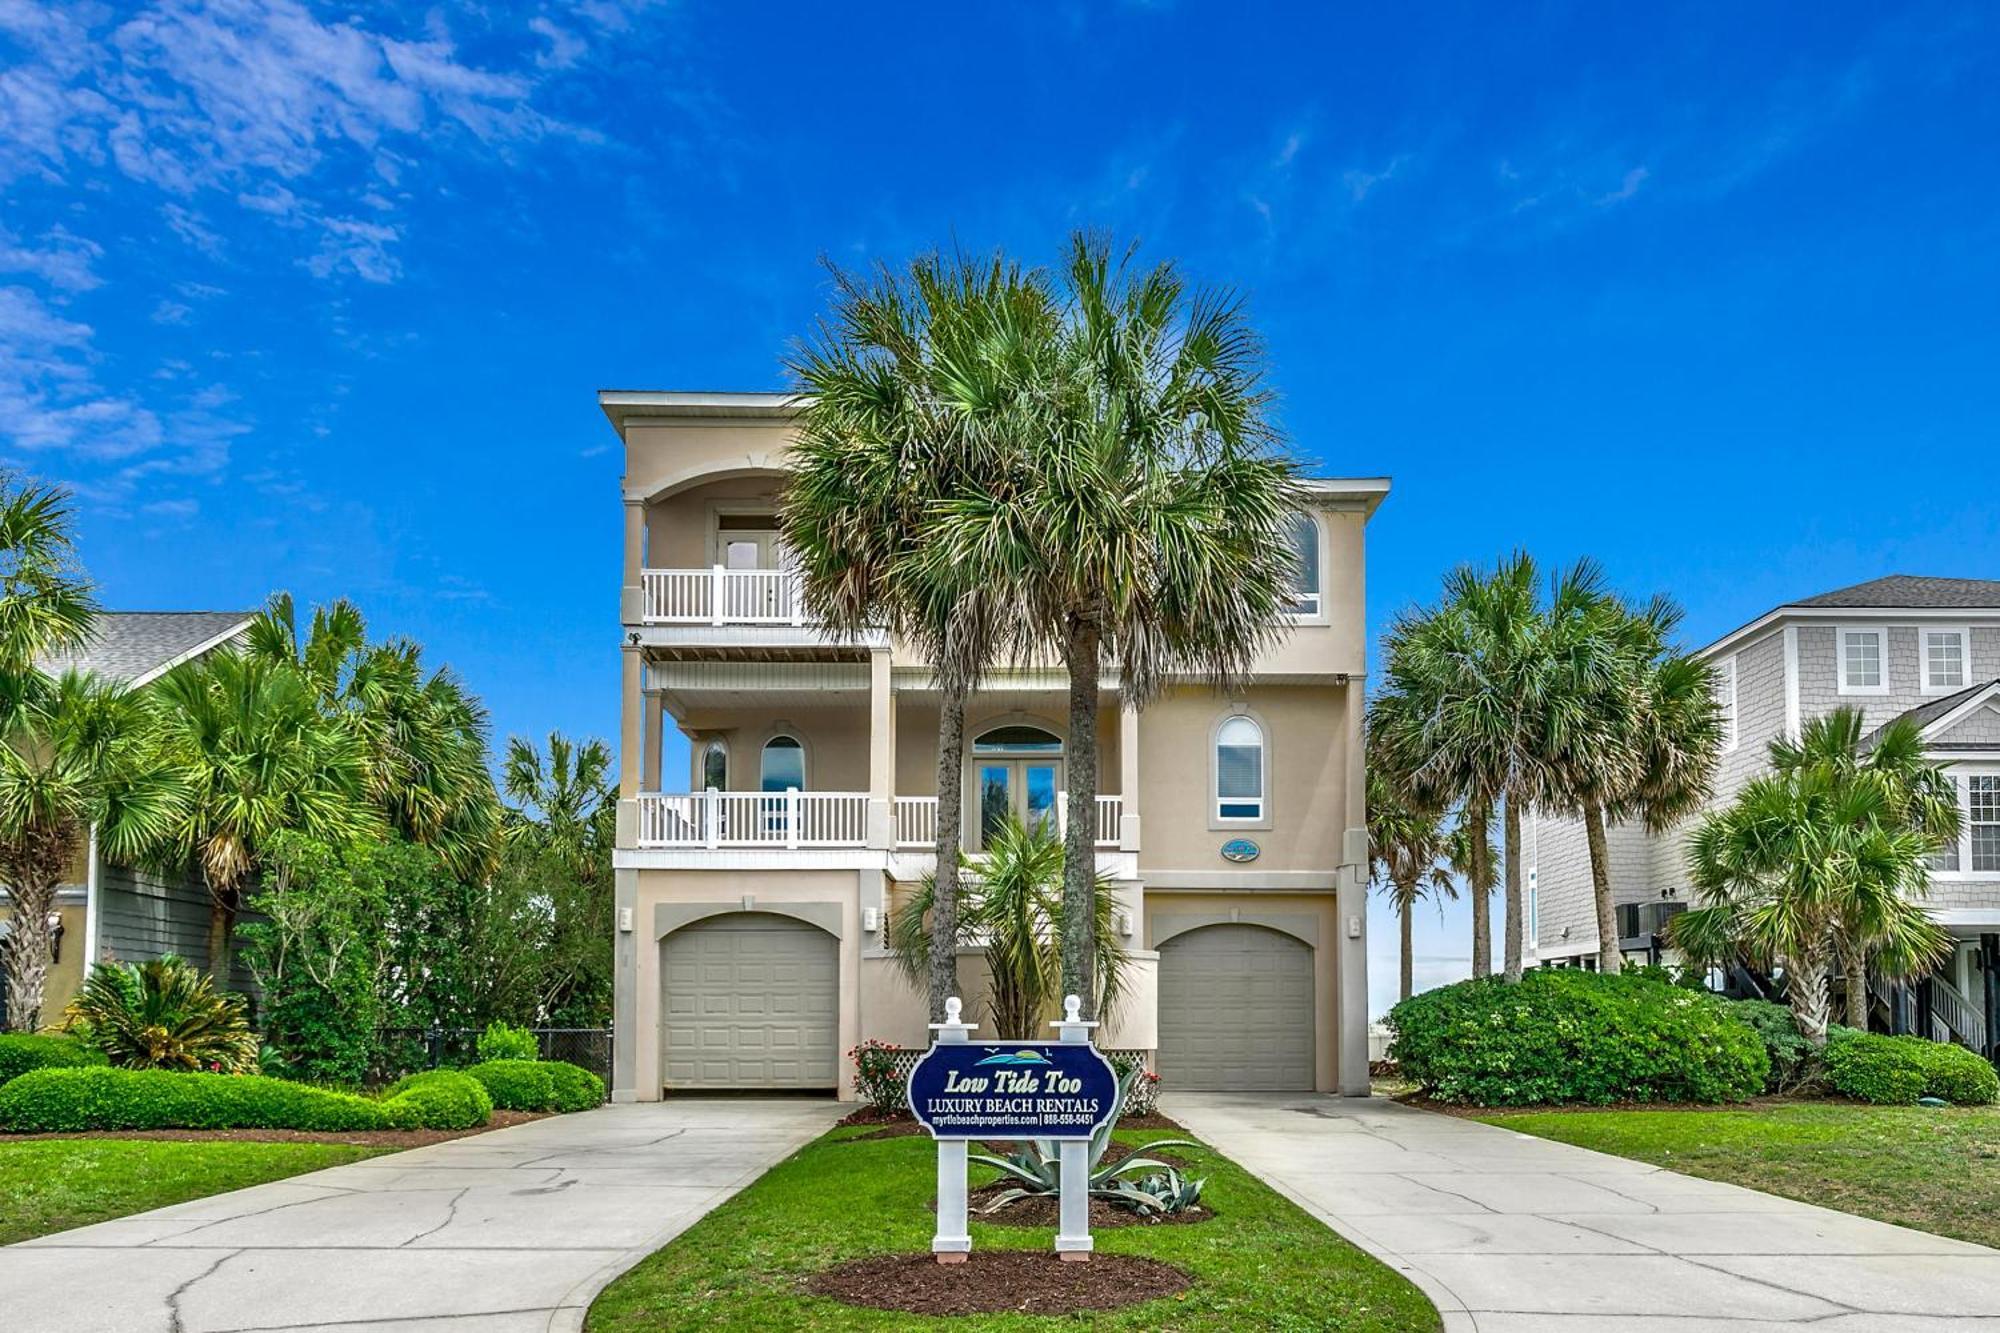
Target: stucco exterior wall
65 974
680 527
835 740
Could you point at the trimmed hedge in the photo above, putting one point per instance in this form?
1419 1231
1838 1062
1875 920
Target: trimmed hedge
577 1089
71 1100
1896 1071
1571 1036
539 1085
20 1052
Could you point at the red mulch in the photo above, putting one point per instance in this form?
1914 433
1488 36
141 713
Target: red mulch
1000 1282
372 1138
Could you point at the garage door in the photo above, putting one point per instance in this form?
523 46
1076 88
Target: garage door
749 1001
1236 1011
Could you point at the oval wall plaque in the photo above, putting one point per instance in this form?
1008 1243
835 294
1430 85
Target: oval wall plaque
1240 849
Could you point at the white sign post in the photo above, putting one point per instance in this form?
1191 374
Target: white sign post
952 1241
1073 1157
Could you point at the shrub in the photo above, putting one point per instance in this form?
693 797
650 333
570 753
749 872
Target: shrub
20 1052
1143 1092
504 1041
72 1100
516 1085
1792 1057
164 1014
877 1079
577 1089
1573 1036
1896 1071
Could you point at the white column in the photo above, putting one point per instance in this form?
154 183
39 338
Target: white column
1073 1240
1128 777
881 751
952 1241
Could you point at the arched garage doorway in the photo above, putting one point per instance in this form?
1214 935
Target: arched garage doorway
1236 1011
749 1000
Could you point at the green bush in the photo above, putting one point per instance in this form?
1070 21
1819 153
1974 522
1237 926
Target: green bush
1572 1036
20 1052
577 1089
1791 1055
76 1099
504 1041
517 1085
1896 1071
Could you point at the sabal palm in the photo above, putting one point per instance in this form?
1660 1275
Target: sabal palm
1148 524
1013 908
562 801
256 756
1471 858
1406 844
75 752
46 602
917 389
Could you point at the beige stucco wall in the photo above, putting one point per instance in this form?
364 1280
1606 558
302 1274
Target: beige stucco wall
679 528
66 973
916 736
835 741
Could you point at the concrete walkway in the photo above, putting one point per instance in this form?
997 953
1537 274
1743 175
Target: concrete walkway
1512 1234
505 1232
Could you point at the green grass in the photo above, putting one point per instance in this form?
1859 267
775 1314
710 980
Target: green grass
1934 1170
1260 1263
51 1185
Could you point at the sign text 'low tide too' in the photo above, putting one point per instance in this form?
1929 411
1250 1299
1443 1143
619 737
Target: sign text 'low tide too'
1063 1090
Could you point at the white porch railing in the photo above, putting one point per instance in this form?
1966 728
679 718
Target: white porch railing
718 596
916 821
788 819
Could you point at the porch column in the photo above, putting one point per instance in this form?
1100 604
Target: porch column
631 600
1352 904
1989 973
649 768
881 751
631 742
1128 775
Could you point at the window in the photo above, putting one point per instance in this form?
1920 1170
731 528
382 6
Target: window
784 764
1016 774
1943 660
715 766
1861 662
1305 549
1984 822
1946 857
1725 699
1239 769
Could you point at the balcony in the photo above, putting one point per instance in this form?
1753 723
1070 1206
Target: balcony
719 596
800 820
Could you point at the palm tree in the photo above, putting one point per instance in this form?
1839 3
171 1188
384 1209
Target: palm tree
563 803
75 753
1471 857
1405 844
1147 525
915 392
255 756
1819 850
46 603
1013 907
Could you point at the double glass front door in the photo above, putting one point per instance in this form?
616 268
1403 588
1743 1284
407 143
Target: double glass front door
1023 788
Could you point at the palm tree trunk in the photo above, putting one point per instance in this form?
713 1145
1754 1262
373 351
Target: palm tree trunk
1516 919
1608 957
1854 962
1080 837
1482 899
1806 989
25 951
1406 907
222 899
950 813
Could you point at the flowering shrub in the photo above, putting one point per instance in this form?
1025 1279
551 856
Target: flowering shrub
1143 1092
877 1078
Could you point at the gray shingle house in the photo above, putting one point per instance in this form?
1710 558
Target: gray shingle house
1904 645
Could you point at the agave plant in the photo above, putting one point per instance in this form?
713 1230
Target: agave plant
163 1014
1036 1166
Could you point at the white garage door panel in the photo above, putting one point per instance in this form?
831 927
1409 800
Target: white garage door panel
1236 1011
749 1002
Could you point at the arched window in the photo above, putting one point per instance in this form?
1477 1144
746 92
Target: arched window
783 764
715 766
1305 551
1239 769
1016 772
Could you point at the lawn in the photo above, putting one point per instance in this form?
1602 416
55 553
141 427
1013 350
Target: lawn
51 1185
1934 1170
1260 1263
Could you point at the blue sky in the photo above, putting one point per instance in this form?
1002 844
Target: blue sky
314 297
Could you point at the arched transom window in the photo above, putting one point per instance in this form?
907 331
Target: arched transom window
783 764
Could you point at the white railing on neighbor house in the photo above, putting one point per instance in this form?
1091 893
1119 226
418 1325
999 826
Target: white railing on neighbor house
788 819
718 596
916 819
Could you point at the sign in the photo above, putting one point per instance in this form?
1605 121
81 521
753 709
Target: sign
1013 1090
1240 849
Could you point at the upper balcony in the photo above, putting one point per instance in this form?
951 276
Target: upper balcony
722 596
794 820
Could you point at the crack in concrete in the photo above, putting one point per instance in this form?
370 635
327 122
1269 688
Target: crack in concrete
450 1216
174 1324
256 1212
572 1151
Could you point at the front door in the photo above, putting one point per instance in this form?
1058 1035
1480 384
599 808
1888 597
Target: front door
1023 788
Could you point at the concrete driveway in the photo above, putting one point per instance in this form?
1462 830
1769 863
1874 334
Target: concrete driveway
1512 1234
504 1232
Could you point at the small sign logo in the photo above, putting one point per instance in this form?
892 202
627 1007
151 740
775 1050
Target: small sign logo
1240 849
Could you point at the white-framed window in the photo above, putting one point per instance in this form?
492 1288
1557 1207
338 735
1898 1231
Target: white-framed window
1305 551
1947 856
715 766
1983 821
1942 657
782 764
1239 770
1862 663
1725 699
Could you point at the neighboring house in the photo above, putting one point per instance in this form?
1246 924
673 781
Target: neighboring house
753 889
113 910
1925 648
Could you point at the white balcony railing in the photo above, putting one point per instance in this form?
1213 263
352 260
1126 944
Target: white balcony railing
787 819
916 821
718 596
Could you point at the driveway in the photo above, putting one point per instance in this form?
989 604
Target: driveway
1512 1234
504 1232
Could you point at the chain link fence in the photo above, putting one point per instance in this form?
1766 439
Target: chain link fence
408 1050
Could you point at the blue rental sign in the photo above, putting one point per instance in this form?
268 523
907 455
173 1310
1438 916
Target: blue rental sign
1013 1090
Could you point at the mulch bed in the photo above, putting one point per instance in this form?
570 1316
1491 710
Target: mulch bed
1000 1282
1042 1210
372 1138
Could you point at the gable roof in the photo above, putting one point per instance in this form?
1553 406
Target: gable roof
134 647
1933 715
1913 592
